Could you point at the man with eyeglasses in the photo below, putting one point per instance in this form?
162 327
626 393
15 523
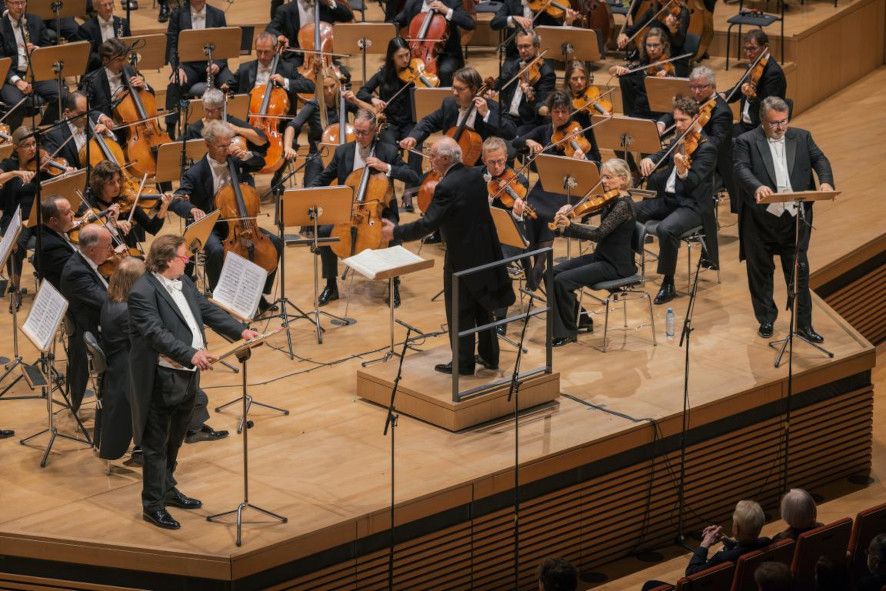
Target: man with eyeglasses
772 82
522 101
776 158
381 158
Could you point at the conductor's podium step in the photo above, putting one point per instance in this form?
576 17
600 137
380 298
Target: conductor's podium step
427 394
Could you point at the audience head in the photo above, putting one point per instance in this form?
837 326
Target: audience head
830 574
773 576
556 574
57 214
168 256
877 554
124 277
798 509
747 521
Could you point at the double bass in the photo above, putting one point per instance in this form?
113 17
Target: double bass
372 191
267 103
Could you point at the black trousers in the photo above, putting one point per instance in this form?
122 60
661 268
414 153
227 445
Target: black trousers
215 259
392 133
470 315
446 67
77 373
764 236
45 93
570 275
674 221
172 403
200 414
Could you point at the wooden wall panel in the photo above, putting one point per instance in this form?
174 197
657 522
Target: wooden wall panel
862 303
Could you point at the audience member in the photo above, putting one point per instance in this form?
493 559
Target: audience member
774 576
831 575
876 580
556 574
798 511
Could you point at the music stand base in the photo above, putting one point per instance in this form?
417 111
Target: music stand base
218 517
782 344
249 402
9 368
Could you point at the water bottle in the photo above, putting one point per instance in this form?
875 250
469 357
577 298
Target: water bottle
670 320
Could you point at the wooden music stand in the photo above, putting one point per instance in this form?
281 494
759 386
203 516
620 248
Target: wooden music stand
5 64
55 63
506 227
662 91
363 38
50 10
197 233
572 43
169 157
70 186
201 45
152 54
566 176
238 106
427 100
627 134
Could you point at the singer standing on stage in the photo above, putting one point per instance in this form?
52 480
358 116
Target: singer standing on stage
168 353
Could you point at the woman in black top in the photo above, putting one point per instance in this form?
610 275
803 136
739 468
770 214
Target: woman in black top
675 27
400 112
612 258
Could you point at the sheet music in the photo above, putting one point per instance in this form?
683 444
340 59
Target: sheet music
240 285
11 235
370 263
46 314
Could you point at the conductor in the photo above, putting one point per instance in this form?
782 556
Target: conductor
168 353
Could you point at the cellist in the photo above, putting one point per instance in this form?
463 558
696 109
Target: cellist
258 71
199 186
214 110
67 139
292 16
367 150
105 84
450 57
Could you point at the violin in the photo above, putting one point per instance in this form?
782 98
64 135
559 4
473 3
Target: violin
469 140
756 74
688 145
553 8
654 68
48 165
239 204
107 268
507 189
267 103
570 138
532 74
428 32
704 113
416 73
589 99
589 205
372 191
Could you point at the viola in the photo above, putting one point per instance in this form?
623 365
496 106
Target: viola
137 110
553 8
426 190
416 73
570 138
590 99
428 32
589 205
507 189
48 166
267 103
654 68
107 268
469 140
372 190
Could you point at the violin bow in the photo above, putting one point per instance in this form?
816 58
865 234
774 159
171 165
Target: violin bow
678 140
516 76
138 195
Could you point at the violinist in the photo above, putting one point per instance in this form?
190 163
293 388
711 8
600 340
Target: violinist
546 203
67 139
105 84
768 80
585 96
258 71
367 150
613 257
450 57
310 114
399 112
103 25
631 77
522 100
515 15
464 106
55 246
201 183
292 16
683 180
20 33
672 18
213 110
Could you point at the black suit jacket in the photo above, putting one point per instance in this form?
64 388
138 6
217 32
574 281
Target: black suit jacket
179 21
243 80
528 109
54 253
91 31
85 292
287 22
460 209
447 116
96 87
515 8
730 552
157 327
37 31
342 164
697 189
460 19
772 83
61 134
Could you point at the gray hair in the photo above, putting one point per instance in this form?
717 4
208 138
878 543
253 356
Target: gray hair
448 148
213 98
536 39
216 129
748 518
366 115
494 143
705 73
618 167
773 103
798 509
265 36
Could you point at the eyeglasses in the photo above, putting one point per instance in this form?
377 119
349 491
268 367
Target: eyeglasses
361 133
775 124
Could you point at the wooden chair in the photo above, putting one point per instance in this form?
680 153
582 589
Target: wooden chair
830 540
780 551
868 523
715 578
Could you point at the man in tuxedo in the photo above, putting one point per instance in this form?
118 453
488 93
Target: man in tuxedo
460 209
292 16
450 57
13 25
775 158
101 27
772 83
214 110
86 291
105 84
199 186
67 139
685 193
380 158
514 15
55 247
521 100
258 71
166 318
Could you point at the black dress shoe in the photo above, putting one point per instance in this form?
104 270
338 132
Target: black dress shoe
136 458
175 498
665 294
447 369
265 306
486 364
163 16
765 330
808 333
329 294
6 433
161 518
706 264
560 341
206 433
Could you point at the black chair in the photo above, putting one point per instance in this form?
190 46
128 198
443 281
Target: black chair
753 18
691 237
98 365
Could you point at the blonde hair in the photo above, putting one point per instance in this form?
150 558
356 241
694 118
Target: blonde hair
748 519
124 277
619 168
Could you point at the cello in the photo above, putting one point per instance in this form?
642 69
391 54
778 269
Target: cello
372 191
469 140
267 103
428 32
240 204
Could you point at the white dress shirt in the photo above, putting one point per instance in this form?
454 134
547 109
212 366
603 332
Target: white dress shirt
174 288
305 12
472 119
263 74
782 177
106 27
78 135
115 81
515 101
198 19
221 174
527 13
22 65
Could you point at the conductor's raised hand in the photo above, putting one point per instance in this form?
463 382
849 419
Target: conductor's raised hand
387 229
202 359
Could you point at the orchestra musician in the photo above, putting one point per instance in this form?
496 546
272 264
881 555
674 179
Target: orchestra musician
771 82
366 150
613 257
55 245
777 158
201 183
86 291
460 209
166 319
523 100
579 84
684 183
674 26
20 34
258 71
450 57
292 16
105 84
67 139
547 203
513 15
718 129
213 109
103 25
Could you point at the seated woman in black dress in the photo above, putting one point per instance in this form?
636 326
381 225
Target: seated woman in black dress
612 258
